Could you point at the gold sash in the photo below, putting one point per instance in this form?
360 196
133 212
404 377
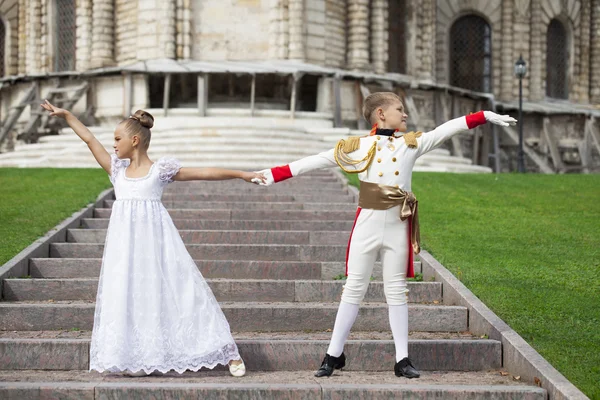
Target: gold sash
382 197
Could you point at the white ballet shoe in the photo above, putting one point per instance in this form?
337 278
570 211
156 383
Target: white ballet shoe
140 373
237 370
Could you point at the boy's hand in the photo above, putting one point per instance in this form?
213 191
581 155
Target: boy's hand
502 120
54 111
268 178
253 177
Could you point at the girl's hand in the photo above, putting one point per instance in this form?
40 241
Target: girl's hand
268 178
253 177
54 111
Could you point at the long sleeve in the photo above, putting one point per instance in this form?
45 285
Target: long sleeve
433 139
325 159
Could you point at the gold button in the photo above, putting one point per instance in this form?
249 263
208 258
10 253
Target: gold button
378 137
380 174
378 148
397 186
394 159
379 160
396 173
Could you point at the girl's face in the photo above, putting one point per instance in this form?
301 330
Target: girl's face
124 144
393 116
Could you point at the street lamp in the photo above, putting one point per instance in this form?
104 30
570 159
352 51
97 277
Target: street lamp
520 71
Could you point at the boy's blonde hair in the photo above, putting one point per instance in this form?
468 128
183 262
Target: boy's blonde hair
377 100
140 124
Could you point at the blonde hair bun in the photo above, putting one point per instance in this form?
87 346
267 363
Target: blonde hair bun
144 118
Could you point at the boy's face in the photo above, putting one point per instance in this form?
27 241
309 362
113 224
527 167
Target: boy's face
394 117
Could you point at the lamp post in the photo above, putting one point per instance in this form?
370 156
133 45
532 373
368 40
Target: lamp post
520 71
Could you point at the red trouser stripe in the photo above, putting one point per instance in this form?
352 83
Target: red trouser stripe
410 268
350 239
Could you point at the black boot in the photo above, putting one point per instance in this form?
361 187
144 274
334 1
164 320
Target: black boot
405 368
330 363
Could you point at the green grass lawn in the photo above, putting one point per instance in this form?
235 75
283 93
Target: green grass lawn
33 201
529 247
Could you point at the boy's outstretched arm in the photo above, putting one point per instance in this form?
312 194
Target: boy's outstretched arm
99 152
217 174
433 139
325 159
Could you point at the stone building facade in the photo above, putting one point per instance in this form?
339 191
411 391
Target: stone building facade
470 44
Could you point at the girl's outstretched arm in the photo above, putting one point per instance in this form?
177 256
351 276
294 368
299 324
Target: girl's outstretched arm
99 152
216 174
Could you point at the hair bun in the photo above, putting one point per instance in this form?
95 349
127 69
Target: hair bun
144 118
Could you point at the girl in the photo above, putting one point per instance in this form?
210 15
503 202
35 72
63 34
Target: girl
386 220
154 310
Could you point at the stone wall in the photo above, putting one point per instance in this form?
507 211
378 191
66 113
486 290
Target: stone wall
230 29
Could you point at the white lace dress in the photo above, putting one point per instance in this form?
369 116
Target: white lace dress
154 310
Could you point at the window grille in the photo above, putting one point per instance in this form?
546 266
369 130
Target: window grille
557 61
471 54
65 35
397 36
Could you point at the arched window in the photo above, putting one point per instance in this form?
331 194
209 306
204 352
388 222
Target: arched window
471 54
557 61
397 36
2 45
65 37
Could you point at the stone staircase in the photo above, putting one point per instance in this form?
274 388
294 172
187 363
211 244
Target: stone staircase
270 256
247 143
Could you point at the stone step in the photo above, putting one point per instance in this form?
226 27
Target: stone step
298 182
253 290
275 215
56 268
277 198
284 385
222 205
249 317
263 353
230 237
251 189
272 252
251 225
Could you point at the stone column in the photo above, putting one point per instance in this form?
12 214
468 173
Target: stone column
33 29
379 35
297 47
336 33
358 34
283 42
595 53
126 28
22 52
84 35
536 55
103 34
584 53
508 59
184 30
521 29
274 28
166 26
424 25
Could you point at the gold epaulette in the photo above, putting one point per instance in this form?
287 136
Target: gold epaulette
350 144
346 146
411 138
